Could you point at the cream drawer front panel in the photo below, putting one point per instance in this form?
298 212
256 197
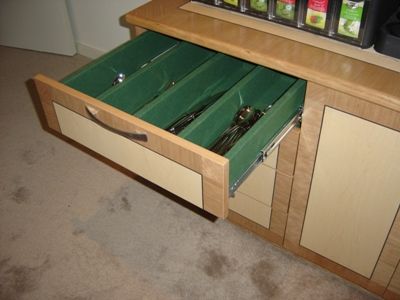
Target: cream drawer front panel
355 191
167 174
260 184
251 209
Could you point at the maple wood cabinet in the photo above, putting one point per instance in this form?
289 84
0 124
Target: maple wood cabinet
330 193
338 206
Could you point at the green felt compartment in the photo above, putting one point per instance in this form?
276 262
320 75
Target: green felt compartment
148 83
259 88
211 79
243 154
96 77
152 61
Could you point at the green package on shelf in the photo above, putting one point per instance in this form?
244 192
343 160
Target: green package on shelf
350 18
285 9
259 5
232 2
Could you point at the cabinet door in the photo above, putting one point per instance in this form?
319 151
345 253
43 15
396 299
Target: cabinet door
393 291
354 191
344 207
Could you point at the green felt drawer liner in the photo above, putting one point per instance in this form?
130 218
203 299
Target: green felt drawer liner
211 79
97 77
153 60
259 89
145 85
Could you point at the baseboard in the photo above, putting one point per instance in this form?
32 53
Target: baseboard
89 51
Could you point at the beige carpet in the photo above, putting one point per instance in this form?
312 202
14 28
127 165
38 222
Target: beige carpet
72 227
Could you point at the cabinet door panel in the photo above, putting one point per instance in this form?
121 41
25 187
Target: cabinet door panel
354 192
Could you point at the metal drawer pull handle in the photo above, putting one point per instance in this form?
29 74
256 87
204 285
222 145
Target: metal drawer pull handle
92 112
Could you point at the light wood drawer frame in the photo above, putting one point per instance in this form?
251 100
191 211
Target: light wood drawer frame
213 168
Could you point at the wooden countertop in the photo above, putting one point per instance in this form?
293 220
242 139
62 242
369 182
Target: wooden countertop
370 82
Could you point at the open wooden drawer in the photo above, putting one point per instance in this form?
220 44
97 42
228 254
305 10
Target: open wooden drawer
124 117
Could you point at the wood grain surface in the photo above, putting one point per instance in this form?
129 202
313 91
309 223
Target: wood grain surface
393 291
345 74
367 55
354 191
213 168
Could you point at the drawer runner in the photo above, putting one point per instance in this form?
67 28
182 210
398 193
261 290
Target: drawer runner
268 149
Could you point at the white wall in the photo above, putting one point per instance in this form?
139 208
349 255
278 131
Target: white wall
97 25
41 25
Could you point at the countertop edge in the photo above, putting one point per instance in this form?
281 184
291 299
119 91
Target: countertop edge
372 83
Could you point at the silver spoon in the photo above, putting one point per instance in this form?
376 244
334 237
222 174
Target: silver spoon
244 115
242 122
118 79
